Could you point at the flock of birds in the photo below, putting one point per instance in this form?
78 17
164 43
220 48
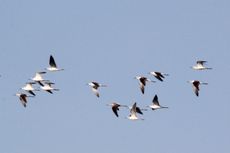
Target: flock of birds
46 85
134 110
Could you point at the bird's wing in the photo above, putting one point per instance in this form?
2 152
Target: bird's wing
138 110
160 74
49 91
143 80
196 85
96 85
32 93
23 98
42 72
133 109
95 91
159 77
23 103
142 87
115 109
196 88
40 83
201 62
52 62
155 100
196 91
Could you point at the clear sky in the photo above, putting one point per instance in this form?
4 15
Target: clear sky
112 41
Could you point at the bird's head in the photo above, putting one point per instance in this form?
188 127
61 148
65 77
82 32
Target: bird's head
137 77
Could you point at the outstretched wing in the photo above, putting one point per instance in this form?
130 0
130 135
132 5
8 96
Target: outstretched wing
49 91
32 93
143 80
52 62
23 98
115 109
95 91
142 87
201 62
159 77
133 109
155 100
196 87
138 110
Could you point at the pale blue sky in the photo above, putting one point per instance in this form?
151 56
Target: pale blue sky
112 41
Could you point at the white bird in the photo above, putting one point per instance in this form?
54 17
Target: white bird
160 76
133 115
52 65
23 98
47 86
29 88
195 86
155 104
200 66
38 77
142 82
94 86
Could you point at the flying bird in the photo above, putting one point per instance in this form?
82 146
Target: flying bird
52 65
142 82
115 107
29 88
23 98
94 86
196 86
133 113
200 65
47 86
155 104
38 78
158 75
